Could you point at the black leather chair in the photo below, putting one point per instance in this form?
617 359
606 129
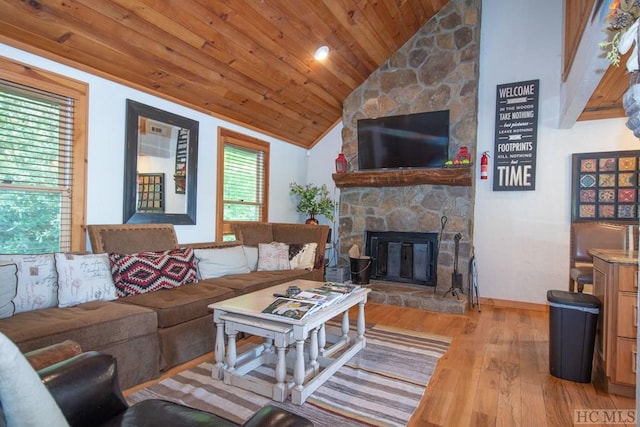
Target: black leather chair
86 389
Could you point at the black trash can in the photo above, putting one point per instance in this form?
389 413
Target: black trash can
573 319
360 268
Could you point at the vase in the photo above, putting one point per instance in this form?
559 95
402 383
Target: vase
312 220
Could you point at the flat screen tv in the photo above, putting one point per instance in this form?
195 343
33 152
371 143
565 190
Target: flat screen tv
418 140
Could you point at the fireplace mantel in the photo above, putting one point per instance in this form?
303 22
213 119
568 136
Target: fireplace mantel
457 176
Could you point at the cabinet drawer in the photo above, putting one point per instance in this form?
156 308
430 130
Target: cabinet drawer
627 315
625 370
628 278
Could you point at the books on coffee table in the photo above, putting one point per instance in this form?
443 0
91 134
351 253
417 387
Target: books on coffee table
341 288
291 308
310 300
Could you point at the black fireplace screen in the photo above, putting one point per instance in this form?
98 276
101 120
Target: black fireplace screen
403 256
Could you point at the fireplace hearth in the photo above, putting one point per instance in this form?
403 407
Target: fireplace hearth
405 257
416 296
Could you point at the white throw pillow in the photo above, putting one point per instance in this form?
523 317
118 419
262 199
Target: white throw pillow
25 400
8 289
217 262
302 256
273 256
251 252
37 281
84 278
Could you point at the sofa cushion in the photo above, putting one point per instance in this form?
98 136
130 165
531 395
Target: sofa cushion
273 256
251 252
180 304
93 325
254 281
302 256
8 289
144 272
218 262
37 281
84 278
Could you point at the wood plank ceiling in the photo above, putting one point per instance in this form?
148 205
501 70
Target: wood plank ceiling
606 100
248 61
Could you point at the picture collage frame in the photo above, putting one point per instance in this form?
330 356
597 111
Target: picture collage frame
605 186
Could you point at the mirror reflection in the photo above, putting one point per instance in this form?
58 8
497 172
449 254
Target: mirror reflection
160 181
162 167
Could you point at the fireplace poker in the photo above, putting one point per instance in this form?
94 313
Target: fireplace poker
443 223
456 278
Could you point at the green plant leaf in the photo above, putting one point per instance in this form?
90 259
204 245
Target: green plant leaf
313 200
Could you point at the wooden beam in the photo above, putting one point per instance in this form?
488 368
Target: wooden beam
433 176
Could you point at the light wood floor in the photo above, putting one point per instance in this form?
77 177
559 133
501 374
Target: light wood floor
496 372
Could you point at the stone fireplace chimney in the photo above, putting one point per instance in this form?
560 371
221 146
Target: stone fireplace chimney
435 70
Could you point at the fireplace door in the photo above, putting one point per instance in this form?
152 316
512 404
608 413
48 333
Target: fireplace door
403 256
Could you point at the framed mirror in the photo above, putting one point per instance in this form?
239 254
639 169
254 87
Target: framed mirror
161 164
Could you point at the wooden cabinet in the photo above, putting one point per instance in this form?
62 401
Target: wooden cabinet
615 283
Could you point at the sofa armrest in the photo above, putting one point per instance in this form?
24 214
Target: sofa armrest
52 354
271 416
86 388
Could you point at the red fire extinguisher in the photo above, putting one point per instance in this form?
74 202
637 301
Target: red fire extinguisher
484 165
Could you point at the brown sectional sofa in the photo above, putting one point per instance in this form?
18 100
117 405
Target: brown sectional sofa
152 332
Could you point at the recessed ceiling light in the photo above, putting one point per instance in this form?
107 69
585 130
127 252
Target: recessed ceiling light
321 53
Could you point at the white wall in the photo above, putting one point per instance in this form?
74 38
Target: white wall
522 238
107 108
322 165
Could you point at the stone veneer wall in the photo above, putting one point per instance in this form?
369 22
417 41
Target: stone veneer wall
435 70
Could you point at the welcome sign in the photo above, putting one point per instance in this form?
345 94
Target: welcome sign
516 136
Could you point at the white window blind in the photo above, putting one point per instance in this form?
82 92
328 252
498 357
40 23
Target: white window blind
243 196
36 163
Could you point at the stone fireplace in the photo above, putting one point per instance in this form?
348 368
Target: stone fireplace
435 70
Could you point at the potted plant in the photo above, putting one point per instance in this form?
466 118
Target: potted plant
314 200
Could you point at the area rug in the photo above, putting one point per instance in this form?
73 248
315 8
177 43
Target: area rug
381 386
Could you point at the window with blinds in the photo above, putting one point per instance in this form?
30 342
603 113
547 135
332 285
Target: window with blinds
242 181
36 169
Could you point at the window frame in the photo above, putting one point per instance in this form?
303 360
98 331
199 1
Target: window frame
28 75
226 136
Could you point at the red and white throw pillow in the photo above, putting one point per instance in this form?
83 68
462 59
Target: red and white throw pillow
144 272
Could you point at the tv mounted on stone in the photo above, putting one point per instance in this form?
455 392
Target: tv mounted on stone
419 140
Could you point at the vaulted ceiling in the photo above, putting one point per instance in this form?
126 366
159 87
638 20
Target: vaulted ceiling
249 62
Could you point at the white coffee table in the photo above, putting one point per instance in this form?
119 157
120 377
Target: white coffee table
325 354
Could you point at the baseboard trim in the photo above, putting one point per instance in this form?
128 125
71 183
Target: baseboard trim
520 305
